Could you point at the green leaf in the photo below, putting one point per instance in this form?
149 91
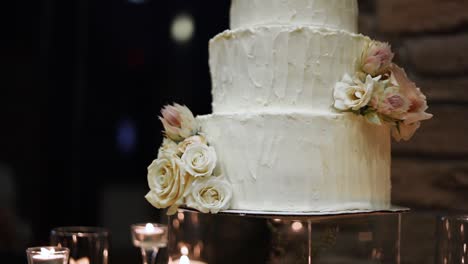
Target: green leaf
373 118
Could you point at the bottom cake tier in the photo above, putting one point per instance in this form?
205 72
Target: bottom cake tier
306 162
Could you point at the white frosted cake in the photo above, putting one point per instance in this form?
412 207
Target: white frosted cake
303 113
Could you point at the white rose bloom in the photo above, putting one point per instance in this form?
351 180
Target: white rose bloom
210 195
189 141
353 93
199 160
168 149
168 181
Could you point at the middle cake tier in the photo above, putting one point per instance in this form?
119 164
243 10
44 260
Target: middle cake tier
280 67
302 161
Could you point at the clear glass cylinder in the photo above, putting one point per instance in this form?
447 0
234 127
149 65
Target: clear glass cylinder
229 238
88 245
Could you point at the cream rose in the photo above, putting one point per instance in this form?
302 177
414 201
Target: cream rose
168 181
210 195
353 93
168 149
178 121
199 160
189 141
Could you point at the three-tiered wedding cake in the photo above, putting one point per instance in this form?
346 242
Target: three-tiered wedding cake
303 109
281 144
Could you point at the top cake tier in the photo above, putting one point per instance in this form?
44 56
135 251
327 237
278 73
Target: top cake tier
331 14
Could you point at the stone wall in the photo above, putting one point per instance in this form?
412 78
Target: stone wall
430 38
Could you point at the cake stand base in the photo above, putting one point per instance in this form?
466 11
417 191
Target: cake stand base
233 236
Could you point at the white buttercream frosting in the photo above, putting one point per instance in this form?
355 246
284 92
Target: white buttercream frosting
280 67
333 14
286 161
277 139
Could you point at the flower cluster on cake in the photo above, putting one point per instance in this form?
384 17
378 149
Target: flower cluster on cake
304 109
382 93
183 173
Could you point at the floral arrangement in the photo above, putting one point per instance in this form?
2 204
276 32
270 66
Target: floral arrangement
183 173
382 93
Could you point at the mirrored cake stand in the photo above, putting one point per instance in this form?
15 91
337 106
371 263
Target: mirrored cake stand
361 237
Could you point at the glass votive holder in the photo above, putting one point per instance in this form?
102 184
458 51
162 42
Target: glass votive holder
452 240
88 245
47 255
149 237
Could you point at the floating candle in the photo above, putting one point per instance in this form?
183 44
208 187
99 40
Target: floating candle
47 255
149 236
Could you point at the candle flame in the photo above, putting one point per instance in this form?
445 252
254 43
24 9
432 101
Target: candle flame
149 227
184 251
47 252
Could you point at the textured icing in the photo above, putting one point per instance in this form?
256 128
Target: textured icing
333 14
280 161
280 67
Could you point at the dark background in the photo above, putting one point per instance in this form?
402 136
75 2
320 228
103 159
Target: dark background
79 124
81 120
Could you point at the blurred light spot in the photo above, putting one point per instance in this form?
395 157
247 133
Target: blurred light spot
126 136
136 2
277 220
176 223
198 249
182 28
296 226
181 216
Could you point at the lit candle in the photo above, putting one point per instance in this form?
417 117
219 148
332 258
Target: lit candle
149 236
184 259
47 256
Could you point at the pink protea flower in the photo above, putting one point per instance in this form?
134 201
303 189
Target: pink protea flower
393 103
404 132
411 119
377 58
418 104
178 121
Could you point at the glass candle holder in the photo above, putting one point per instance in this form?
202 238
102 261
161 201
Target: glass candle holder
88 245
366 238
47 255
149 238
452 240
